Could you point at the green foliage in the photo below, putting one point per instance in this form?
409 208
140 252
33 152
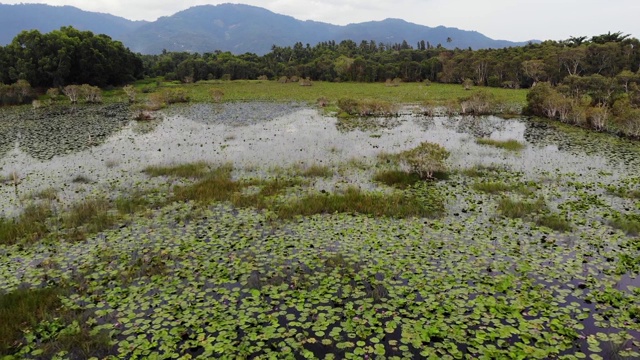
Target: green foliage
629 223
16 94
397 178
480 103
395 205
24 308
69 56
512 145
494 187
316 171
426 159
554 221
28 227
520 208
367 107
189 170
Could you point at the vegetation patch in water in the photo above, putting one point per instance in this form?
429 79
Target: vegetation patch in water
494 187
396 205
397 178
190 170
511 145
29 226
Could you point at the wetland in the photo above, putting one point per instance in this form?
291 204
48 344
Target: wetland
273 230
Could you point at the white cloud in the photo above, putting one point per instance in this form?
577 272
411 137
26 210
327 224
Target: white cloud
499 19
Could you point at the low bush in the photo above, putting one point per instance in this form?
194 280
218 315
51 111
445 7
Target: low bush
367 107
426 159
16 94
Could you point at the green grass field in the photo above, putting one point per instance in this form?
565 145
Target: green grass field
247 90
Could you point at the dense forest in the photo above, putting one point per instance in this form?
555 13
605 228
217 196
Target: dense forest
67 56
585 81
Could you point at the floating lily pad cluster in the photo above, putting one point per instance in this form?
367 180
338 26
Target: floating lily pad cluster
45 133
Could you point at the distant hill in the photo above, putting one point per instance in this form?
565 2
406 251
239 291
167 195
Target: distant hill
45 18
229 27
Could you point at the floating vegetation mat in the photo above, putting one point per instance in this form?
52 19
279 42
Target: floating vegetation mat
197 280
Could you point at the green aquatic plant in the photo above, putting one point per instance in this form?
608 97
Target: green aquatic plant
316 171
511 145
28 227
24 308
520 208
190 170
494 187
396 178
395 205
554 221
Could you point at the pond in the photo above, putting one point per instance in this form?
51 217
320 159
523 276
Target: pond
238 281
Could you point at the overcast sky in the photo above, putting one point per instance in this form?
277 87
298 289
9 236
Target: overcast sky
516 20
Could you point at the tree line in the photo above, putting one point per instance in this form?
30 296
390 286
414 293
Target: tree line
517 67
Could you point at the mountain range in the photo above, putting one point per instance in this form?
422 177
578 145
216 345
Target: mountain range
229 27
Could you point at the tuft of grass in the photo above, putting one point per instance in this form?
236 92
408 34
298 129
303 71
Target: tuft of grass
554 221
46 194
511 145
624 192
629 223
353 200
88 217
481 171
367 107
82 179
317 171
132 204
520 209
494 187
397 178
218 185
29 227
192 170
24 308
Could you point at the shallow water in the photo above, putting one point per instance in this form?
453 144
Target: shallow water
294 135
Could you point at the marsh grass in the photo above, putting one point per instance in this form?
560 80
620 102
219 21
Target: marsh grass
133 203
494 187
46 194
511 145
248 90
554 221
520 209
217 185
39 313
624 192
22 309
396 178
482 171
88 217
28 227
395 205
629 223
367 107
316 171
81 179
190 170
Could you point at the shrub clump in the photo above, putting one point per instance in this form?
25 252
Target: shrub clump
367 107
426 159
